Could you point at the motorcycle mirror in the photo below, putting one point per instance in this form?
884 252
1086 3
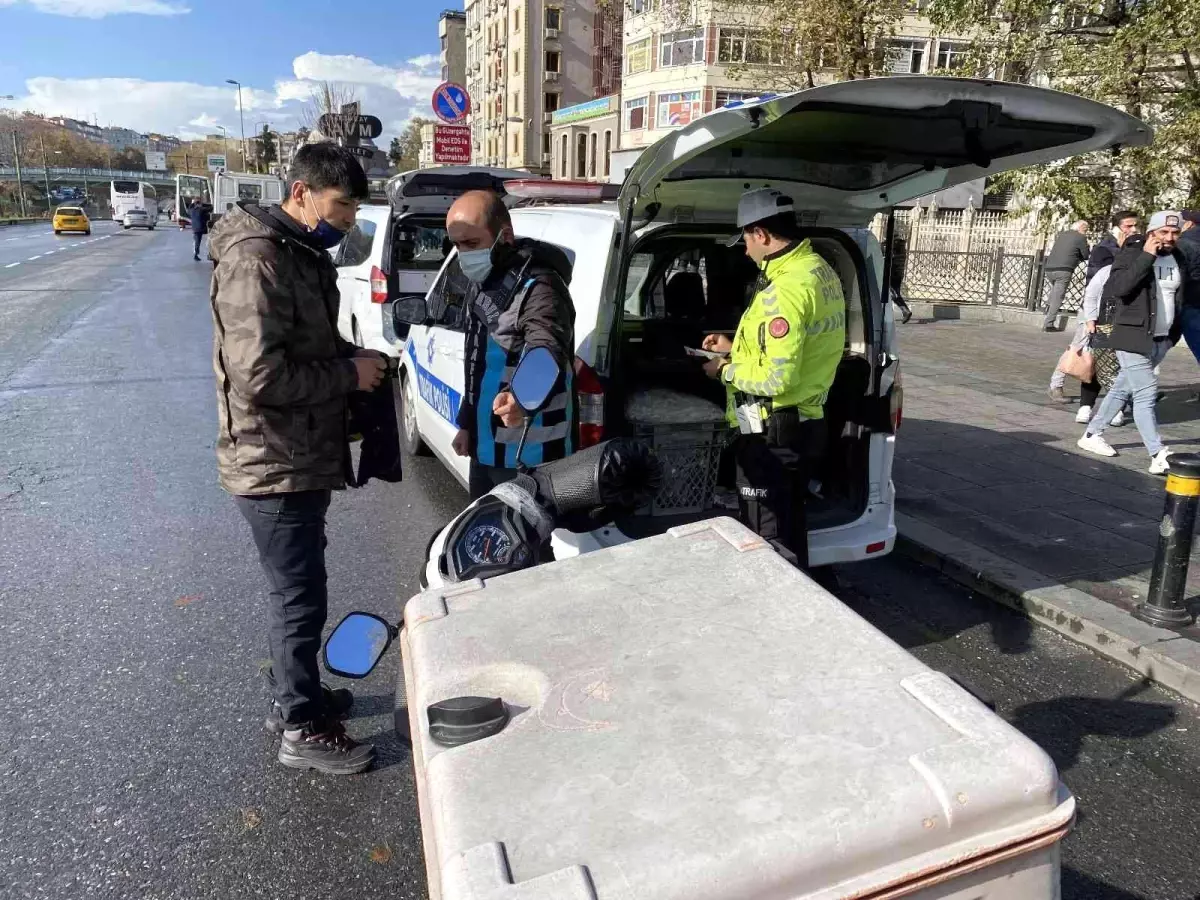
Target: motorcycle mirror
410 310
357 644
534 380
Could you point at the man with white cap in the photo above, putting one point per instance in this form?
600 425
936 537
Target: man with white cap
779 368
1141 300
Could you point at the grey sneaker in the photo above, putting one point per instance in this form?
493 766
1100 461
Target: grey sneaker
1057 395
337 705
324 745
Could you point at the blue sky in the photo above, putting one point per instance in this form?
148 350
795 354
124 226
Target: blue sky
160 65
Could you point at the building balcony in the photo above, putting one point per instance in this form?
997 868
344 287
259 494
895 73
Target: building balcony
552 76
552 34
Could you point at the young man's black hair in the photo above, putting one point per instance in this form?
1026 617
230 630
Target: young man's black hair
1122 215
326 165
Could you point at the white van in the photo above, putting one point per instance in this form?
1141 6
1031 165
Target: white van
231 187
652 274
399 248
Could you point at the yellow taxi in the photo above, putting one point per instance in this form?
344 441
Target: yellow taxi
71 218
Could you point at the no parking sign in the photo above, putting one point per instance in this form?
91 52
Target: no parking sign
451 102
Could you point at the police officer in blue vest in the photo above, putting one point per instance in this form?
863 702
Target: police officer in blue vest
518 300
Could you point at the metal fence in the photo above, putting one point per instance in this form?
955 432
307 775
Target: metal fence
996 278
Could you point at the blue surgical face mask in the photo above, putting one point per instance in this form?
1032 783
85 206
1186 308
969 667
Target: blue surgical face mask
476 264
323 235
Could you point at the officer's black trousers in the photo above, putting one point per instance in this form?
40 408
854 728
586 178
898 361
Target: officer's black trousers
772 478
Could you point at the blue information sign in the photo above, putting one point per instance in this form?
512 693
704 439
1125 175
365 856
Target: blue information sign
451 103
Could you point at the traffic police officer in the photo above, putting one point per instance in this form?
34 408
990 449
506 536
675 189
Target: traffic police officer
779 368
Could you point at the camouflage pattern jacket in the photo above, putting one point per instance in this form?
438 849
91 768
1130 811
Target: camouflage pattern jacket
283 372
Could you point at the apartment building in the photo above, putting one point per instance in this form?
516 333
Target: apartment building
452 32
525 59
673 73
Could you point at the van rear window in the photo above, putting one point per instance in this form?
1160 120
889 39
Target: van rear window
69 211
420 247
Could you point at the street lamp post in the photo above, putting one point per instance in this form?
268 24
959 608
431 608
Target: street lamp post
45 171
242 116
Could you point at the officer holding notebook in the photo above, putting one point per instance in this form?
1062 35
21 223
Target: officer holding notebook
778 368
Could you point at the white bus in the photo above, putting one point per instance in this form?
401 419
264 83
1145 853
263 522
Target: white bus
127 195
231 187
187 189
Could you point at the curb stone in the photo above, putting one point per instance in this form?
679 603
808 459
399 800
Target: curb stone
1159 654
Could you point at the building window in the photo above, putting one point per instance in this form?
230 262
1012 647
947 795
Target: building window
550 101
546 144
553 17
951 55
637 57
637 7
681 48
906 57
678 108
607 153
517 19
553 61
580 155
592 144
746 45
516 142
635 113
724 98
517 62
562 161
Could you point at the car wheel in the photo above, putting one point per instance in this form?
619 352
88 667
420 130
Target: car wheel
86 233
56 231
406 411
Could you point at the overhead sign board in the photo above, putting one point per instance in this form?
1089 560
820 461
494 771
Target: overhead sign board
156 161
451 144
451 103
363 152
363 128
581 112
216 162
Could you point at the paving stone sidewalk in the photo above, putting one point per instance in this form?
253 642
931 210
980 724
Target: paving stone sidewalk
988 471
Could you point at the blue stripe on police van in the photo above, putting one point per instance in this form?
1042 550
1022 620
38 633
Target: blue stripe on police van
444 399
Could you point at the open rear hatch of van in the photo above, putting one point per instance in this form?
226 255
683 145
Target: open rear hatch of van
432 191
844 152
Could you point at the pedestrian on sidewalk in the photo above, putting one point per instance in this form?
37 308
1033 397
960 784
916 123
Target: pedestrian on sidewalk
284 377
1124 224
899 267
1089 314
1069 250
200 217
1142 291
1189 245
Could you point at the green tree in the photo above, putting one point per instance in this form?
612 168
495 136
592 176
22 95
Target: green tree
264 150
405 150
1139 56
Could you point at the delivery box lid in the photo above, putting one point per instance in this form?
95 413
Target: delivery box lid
692 718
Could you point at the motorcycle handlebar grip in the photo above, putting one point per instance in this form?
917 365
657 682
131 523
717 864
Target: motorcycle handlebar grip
619 472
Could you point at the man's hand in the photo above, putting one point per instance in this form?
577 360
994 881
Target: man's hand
364 353
1091 327
716 343
505 406
713 367
1152 244
370 371
461 443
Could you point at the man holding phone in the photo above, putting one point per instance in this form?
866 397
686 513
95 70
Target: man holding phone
779 368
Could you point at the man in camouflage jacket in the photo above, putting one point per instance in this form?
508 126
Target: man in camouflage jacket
283 379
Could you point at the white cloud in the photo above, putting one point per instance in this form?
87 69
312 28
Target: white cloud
98 9
427 63
190 110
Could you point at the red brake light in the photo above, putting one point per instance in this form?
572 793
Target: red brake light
876 547
589 391
379 292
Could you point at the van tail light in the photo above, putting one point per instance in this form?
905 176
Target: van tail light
589 391
378 285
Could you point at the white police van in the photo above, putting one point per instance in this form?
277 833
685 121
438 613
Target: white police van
652 273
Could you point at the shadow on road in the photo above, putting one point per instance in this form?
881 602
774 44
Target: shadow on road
1060 725
1078 886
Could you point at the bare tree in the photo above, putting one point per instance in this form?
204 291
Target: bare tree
327 99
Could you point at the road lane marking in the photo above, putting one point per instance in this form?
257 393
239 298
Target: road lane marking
11 265
32 258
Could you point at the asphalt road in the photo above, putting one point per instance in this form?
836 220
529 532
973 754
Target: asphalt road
135 764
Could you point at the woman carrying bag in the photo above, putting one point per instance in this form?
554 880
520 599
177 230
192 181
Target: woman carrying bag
1080 358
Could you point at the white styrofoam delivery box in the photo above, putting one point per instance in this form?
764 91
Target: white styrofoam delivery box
694 719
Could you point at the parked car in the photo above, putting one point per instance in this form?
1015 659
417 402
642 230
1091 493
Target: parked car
71 218
652 272
139 218
399 248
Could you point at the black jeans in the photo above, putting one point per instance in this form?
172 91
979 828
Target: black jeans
289 531
772 478
197 237
483 478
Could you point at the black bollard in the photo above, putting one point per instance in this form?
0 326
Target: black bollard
1164 604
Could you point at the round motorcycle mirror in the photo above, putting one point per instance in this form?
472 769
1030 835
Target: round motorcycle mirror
534 380
357 644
